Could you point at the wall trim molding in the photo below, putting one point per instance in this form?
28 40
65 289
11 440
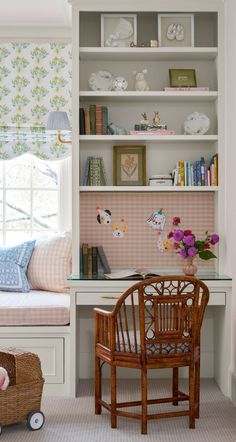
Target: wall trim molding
42 34
233 387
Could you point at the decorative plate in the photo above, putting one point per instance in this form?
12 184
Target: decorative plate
119 84
101 81
196 124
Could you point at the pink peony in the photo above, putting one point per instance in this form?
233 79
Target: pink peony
214 239
192 251
183 253
189 240
178 235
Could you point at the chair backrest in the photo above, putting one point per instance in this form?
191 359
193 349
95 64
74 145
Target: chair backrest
168 319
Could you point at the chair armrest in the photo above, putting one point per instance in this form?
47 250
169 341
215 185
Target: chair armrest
102 312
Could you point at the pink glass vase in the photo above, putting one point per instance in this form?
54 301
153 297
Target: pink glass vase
189 269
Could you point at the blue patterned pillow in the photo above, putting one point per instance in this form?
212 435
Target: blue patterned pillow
13 266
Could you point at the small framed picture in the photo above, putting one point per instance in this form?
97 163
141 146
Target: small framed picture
182 78
118 30
129 165
176 29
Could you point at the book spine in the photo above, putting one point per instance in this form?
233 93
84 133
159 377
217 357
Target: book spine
199 178
91 171
103 174
104 120
86 173
99 125
181 172
216 170
92 114
94 261
85 258
99 171
96 171
90 262
81 121
87 122
103 259
202 163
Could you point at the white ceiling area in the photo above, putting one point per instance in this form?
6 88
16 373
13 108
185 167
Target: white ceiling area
55 13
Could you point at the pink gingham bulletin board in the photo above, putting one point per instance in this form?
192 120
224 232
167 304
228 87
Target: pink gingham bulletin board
138 248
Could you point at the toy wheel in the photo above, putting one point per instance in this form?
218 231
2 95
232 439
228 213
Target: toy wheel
35 420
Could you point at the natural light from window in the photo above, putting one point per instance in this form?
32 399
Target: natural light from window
29 198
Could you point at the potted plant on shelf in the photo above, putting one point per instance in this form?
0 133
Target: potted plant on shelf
188 246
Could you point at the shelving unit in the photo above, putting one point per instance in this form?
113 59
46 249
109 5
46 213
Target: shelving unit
125 108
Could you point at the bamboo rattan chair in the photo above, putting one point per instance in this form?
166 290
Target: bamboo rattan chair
163 331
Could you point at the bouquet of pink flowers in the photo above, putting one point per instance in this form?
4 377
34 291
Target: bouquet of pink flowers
186 244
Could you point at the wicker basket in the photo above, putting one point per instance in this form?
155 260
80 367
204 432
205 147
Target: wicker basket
24 393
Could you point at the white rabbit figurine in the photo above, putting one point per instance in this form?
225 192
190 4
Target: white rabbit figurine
4 379
140 80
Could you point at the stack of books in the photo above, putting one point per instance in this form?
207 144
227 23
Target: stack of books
197 173
93 260
94 172
93 120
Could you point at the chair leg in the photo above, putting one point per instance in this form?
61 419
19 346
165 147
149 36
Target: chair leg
197 386
144 400
113 397
175 384
98 385
192 396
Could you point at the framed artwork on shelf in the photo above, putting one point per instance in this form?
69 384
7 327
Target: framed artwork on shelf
129 165
176 30
118 30
182 78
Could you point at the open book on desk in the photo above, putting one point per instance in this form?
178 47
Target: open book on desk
131 274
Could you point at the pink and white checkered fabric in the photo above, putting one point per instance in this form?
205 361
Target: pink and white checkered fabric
50 263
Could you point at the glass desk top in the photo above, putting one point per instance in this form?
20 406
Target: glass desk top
204 275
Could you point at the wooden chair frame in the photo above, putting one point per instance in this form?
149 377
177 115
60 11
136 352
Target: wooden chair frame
162 332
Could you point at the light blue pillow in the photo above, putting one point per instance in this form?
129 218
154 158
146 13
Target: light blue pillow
13 266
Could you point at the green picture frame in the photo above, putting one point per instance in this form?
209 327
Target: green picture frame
182 78
129 165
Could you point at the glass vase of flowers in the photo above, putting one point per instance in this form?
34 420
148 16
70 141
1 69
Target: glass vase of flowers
188 246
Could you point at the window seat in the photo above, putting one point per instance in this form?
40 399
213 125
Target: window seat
34 308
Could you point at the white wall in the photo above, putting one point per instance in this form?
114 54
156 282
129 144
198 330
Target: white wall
230 121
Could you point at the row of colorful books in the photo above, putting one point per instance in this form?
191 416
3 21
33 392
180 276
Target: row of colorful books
95 174
93 120
93 260
197 173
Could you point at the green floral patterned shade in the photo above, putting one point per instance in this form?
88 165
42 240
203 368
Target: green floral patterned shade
35 79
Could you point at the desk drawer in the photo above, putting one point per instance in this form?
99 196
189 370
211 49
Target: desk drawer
106 298
91 298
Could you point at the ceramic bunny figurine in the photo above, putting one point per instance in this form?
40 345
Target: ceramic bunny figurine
140 80
4 379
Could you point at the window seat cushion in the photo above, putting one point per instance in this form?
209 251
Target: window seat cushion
34 308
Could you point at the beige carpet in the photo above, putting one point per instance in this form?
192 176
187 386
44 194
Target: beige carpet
73 420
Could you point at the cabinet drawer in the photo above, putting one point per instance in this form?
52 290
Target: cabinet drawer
97 298
106 298
50 352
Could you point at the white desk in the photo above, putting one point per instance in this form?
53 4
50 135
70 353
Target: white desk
216 342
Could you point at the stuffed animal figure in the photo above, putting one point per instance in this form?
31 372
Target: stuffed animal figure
119 229
140 80
104 216
4 379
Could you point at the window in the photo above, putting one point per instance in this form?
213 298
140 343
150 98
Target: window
30 197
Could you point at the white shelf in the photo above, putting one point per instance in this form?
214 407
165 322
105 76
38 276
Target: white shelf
145 54
158 96
148 189
162 138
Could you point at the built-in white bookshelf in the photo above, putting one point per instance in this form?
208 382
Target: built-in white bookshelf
125 107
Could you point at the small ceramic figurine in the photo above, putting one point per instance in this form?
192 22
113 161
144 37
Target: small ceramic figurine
140 80
115 130
144 119
119 229
4 379
103 216
156 119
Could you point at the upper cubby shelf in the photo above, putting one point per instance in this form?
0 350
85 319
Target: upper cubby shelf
162 138
156 96
148 54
